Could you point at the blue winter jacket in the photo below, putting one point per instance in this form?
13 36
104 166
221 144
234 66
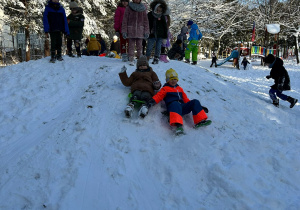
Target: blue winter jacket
195 33
54 18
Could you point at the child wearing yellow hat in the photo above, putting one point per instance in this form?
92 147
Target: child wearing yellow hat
178 104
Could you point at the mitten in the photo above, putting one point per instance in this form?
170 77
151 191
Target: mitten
123 69
156 85
146 36
164 41
268 77
124 35
150 103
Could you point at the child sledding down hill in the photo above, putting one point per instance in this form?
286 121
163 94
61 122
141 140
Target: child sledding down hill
143 83
281 79
178 104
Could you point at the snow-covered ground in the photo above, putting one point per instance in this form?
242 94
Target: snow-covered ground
65 143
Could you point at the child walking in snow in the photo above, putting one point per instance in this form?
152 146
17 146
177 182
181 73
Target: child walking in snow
135 27
75 23
245 62
178 104
143 83
158 29
281 79
213 59
55 22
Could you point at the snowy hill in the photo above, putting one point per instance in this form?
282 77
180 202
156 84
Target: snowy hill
65 143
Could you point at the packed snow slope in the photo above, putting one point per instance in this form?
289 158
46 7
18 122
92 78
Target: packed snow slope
65 143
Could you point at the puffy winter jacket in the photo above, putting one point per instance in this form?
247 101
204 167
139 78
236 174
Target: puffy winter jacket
76 23
195 33
280 75
135 21
140 80
158 27
54 18
93 45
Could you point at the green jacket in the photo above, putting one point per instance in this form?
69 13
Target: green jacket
76 23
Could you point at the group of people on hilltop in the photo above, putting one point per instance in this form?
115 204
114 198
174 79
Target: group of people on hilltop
133 25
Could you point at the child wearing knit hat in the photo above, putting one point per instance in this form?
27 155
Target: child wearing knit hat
143 83
178 104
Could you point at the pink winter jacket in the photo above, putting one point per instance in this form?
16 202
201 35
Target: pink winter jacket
119 18
135 24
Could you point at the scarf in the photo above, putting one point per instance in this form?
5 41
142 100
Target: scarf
137 7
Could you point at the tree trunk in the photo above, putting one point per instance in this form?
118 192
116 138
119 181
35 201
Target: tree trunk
27 41
296 49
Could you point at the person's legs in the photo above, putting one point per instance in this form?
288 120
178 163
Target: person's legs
195 107
131 45
150 44
139 47
158 47
175 110
69 46
77 47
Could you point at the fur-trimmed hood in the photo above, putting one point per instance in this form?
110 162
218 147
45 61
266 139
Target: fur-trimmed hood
162 3
137 7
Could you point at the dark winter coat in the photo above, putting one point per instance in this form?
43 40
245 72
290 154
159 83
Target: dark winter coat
214 58
158 26
76 23
140 80
245 62
183 37
54 18
115 46
176 49
135 21
280 75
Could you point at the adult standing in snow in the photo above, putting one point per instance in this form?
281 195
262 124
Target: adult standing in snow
213 59
195 36
158 29
281 79
119 14
135 27
75 23
55 22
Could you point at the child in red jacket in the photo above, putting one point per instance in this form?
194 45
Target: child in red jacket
178 104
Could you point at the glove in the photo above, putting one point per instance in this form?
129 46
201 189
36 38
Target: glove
268 77
156 85
117 34
124 35
280 87
150 103
146 36
164 41
123 69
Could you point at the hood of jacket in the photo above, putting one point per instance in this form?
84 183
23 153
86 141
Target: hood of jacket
137 7
194 26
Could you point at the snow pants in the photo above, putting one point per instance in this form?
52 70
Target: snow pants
56 42
134 42
177 110
76 43
274 93
192 47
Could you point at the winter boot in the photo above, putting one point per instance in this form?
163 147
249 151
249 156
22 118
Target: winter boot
276 102
70 54
163 57
293 101
187 61
155 60
194 63
53 58
179 129
124 57
203 123
143 111
129 109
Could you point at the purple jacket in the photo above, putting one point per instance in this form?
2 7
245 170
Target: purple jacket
135 21
119 18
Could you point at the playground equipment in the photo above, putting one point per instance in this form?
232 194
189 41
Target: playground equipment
261 51
234 54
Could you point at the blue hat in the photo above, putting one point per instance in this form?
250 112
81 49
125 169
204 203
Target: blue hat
190 22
